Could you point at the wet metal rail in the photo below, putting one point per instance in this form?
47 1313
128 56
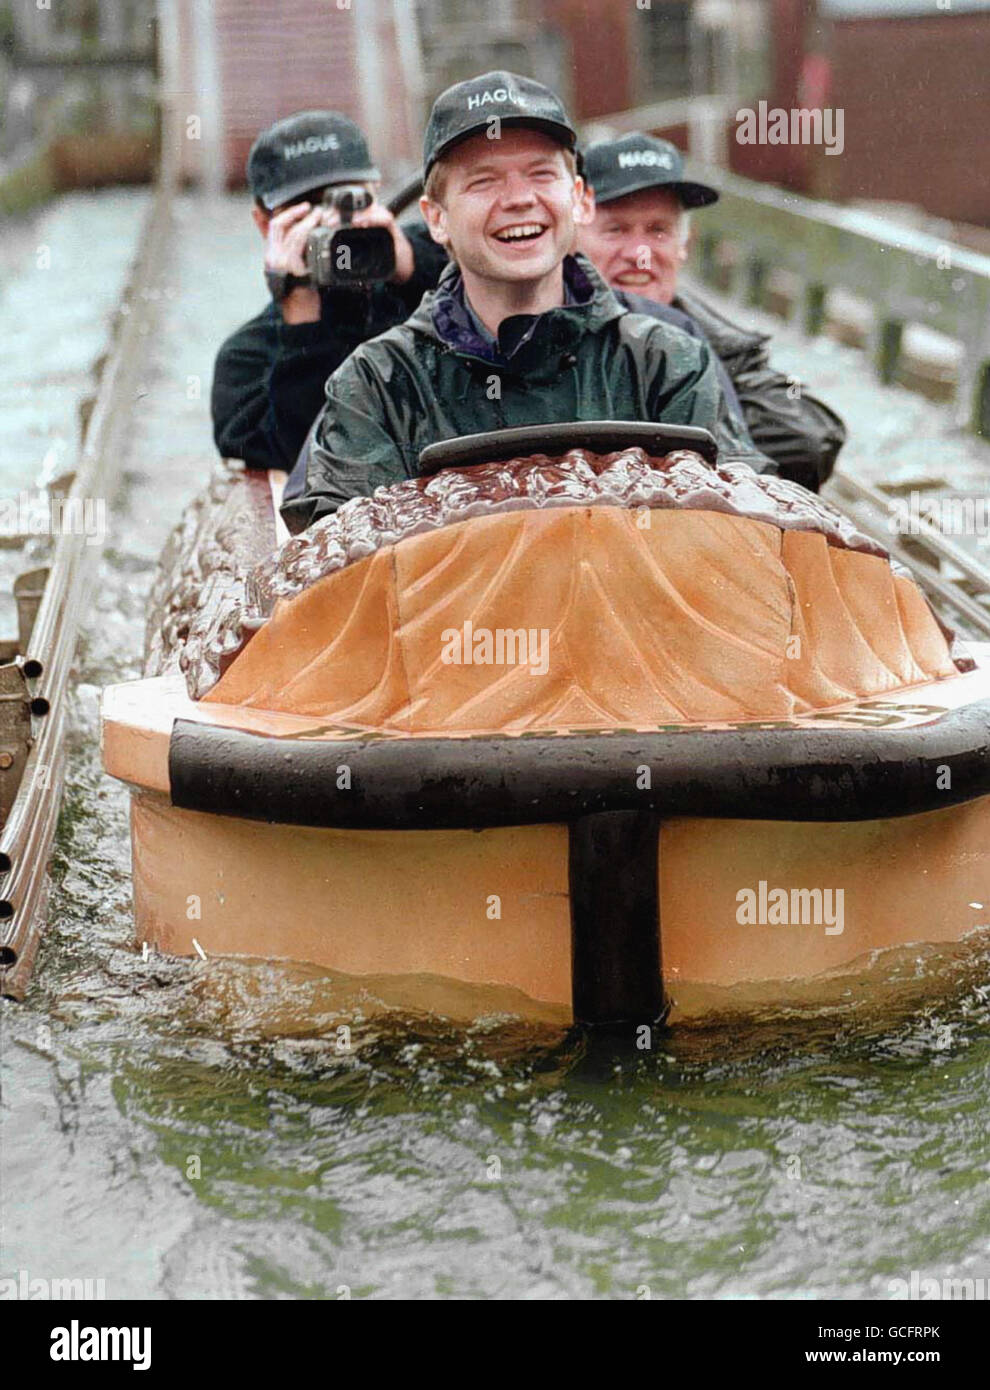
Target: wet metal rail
39 674
956 583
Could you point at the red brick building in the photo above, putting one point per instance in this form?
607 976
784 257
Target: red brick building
912 79
243 65
915 88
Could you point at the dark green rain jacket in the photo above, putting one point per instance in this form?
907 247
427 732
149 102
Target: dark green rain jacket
436 377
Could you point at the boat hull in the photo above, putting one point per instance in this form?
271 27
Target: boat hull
341 795
832 837
493 907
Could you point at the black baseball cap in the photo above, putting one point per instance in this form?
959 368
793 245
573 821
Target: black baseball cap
466 108
636 161
305 151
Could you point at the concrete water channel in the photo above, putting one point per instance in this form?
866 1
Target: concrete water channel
188 1129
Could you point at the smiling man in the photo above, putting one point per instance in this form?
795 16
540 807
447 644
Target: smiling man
637 237
518 332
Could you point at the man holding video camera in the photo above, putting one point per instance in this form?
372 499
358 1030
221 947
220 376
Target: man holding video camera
340 270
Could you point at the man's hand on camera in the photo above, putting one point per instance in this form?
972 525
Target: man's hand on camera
378 215
285 254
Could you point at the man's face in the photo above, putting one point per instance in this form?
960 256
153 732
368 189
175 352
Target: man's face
635 243
509 206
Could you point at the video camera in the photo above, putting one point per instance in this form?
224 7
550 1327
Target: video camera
347 255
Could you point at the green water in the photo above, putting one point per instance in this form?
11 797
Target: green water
184 1129
159 1135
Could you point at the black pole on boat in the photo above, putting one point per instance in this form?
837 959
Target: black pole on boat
616 976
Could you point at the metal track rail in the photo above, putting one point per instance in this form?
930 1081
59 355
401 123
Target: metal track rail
27 835
952 589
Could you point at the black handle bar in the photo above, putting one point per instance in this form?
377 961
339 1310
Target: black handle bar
603 436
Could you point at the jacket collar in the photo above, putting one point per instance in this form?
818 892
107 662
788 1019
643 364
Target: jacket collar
526 342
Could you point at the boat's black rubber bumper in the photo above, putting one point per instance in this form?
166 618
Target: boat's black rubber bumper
771 773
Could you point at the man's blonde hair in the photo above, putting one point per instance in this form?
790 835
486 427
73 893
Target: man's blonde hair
436 180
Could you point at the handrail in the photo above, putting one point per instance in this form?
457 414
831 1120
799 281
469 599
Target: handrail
907 275
954 591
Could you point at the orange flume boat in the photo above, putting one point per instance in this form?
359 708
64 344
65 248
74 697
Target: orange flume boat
579 712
